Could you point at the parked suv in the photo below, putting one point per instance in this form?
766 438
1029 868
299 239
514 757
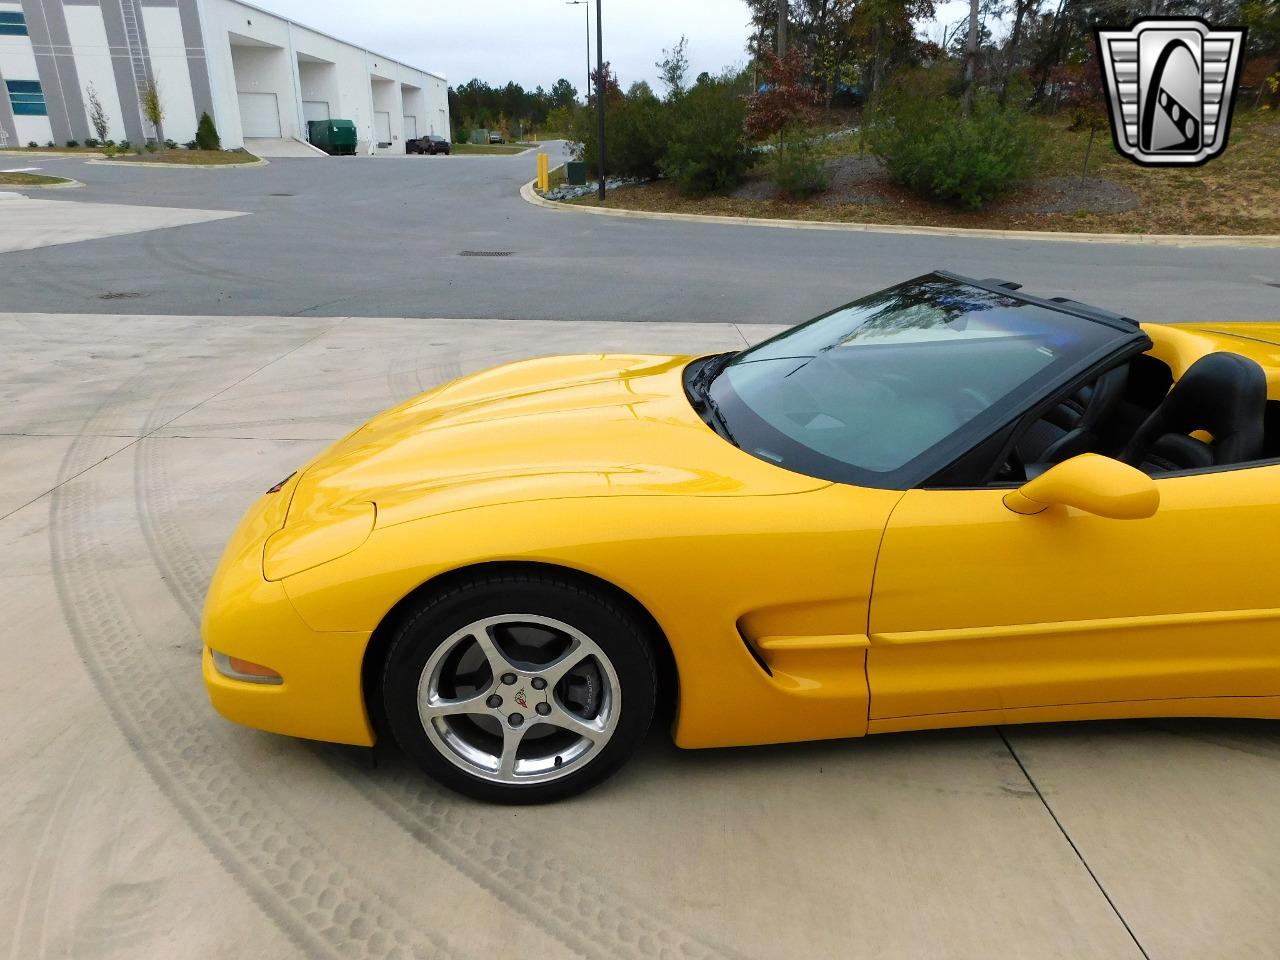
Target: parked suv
430 144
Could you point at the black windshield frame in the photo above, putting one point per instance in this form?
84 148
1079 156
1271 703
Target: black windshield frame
1113 338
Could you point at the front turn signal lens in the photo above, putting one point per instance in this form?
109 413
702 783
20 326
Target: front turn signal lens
246 670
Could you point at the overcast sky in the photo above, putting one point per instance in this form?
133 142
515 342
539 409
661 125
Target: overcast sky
535 41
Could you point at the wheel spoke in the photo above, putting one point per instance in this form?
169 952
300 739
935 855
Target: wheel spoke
567 720
498 661
578 651
440 707
511 739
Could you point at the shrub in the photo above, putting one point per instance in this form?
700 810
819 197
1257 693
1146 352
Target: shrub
92 143
149 146
920 132
32 145
124 146
192 145
72 144
207 134
798 166
50 145
707 150
170 144
635 135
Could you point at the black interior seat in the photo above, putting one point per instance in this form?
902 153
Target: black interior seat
1222 394
1071 427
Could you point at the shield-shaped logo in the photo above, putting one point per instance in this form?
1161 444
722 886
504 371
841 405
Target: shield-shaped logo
1170 86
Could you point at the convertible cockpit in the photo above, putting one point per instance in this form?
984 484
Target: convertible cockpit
1214 415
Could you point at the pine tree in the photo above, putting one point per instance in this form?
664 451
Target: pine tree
207 134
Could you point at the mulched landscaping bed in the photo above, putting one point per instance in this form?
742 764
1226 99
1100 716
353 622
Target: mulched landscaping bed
861 179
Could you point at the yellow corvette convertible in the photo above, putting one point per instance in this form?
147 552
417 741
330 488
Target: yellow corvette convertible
948 503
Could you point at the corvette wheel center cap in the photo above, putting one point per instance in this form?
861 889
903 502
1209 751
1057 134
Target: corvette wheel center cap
530 695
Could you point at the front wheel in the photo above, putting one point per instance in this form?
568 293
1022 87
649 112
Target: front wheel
520 689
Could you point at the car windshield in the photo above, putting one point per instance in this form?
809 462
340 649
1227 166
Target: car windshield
900 382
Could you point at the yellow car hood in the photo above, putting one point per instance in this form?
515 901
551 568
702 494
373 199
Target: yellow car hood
582 426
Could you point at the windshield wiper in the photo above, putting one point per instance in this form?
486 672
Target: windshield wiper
700 385
719 423
700 393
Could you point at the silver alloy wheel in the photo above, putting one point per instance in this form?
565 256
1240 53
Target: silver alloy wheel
519 698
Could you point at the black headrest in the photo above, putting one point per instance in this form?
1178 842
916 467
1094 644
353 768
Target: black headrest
1224 394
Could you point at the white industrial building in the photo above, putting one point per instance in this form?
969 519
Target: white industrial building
259 75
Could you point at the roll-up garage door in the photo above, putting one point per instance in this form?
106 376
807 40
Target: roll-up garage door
410 127
315 110
383 120
259 115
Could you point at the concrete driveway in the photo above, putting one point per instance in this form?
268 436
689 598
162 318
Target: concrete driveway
360 236
135 823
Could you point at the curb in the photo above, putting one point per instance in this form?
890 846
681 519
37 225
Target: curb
528 193
68 184
152 164
52 154
493 156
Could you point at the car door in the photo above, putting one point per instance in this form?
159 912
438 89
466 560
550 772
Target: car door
980 614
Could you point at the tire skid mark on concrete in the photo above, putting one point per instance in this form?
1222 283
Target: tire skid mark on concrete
284 868
582 913
52 820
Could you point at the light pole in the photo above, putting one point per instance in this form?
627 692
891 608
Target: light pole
587 4
600 91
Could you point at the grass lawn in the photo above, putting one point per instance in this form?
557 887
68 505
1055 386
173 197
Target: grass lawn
28 180
186 157
1238 193
492 149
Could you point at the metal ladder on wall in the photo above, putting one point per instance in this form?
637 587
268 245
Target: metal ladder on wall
137 59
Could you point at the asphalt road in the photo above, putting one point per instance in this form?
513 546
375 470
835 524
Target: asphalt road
384 237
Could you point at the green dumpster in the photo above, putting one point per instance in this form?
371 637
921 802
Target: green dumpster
575 172
334 137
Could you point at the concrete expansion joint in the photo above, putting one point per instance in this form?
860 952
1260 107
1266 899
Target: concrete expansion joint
528 193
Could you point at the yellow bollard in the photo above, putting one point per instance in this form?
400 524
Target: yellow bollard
544 172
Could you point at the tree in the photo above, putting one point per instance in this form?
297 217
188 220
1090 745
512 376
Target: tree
1087 101
153 109
1022 11
207 134
673 69
785 101
1262 17
971 58
563 94
97 115
611 87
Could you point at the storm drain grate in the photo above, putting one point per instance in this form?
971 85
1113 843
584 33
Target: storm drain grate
485 253
123 295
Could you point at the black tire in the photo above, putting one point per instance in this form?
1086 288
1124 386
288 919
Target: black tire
623 640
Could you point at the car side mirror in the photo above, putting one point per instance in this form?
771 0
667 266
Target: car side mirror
1092 483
